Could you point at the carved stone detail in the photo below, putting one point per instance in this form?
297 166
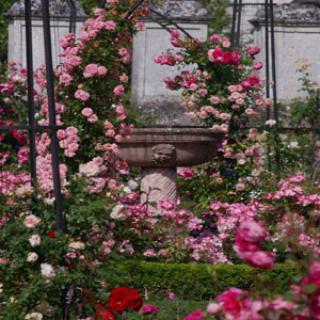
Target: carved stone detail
164 154
292 13
188 9
58 8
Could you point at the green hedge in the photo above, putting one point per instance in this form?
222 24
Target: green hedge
201 281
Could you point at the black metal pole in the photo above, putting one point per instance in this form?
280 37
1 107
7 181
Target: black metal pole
233 24
238 33
267 51
273 59
73 16
31 111
52 117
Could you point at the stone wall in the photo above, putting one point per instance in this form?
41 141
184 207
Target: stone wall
60 22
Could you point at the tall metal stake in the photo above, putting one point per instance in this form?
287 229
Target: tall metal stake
52 117
31 111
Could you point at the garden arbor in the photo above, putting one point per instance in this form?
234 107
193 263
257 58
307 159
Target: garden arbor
158 17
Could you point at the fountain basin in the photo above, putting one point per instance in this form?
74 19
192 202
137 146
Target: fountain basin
169 147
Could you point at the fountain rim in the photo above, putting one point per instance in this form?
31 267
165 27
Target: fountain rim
171 135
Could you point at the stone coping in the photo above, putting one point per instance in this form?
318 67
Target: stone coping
291 14
171 134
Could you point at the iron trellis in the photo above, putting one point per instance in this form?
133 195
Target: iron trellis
32 127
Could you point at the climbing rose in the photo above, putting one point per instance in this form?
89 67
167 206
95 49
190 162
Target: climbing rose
82 95
149 309
124 298
104 313
231 300
196 315
119 90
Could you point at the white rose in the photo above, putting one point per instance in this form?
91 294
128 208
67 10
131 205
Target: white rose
77 245
31 221
118 212
49 201
133 185
35 240
293 145
1 287
32 257
47 270
34 316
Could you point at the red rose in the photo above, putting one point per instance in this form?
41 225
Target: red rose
124 298
104 313
52 233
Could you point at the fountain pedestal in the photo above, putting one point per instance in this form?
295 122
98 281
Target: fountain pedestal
159 151
158 184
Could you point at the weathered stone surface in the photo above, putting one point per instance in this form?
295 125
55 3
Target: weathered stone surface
297 35
58 8
295 14
178 9
158 151
160 105
158 184
60 23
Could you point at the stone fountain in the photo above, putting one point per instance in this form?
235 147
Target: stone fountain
159 151
170 140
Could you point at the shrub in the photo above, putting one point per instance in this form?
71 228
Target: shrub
201 281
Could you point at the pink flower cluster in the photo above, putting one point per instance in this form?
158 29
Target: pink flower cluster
11 182
249 237
69 141
220 56
93 70
45 176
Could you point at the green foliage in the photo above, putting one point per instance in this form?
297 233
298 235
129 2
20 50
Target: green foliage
196 281
4 7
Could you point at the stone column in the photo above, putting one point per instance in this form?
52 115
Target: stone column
158 184
60 21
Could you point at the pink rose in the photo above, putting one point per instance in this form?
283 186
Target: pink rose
65 79
186 173
149 309
102 71
93 118
257 66
253 50
196 315
214 100
90 70
110 25
259 259
87 112
71 62
119 90
82 95
231 300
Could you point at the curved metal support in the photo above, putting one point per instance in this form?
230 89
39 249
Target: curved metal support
170 22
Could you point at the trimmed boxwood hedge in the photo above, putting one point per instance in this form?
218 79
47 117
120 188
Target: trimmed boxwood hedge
201 281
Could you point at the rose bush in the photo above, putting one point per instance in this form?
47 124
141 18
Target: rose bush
52 273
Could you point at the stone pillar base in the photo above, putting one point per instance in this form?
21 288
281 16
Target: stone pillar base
158 184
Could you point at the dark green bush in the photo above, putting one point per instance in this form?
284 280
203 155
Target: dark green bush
200 281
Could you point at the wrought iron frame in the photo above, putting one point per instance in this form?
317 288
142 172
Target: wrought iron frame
52 128
32 127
